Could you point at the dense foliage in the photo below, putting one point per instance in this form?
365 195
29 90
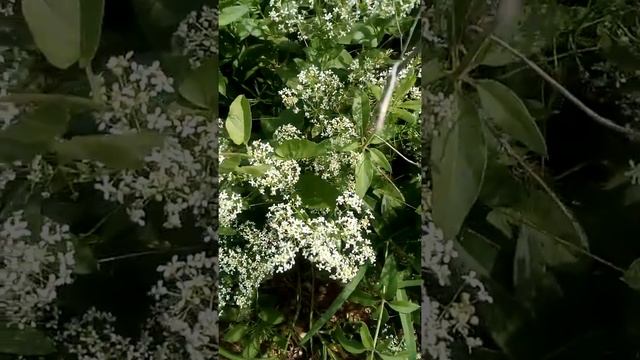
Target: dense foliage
319 208
107 175
532 123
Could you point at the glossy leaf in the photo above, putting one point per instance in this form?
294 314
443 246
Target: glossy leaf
55 26
364 174
510 114
238 122
201 85
315 192
124 151
459 158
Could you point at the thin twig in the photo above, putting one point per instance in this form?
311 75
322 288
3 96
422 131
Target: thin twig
397 152
592 114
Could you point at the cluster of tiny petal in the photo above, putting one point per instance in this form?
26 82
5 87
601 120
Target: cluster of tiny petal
32 268
287 132
280 177
230 205
318 90
175 173
332 19
198 35
12 71
186 303
93 337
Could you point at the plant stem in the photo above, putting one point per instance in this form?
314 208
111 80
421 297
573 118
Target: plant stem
633 135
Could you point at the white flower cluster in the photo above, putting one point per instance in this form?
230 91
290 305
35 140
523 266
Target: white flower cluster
13 71
332 19
440 108
176 173
32 268
338 245
93 337
230 205
319 90
185 304
7 7
457 318
198 34
280 177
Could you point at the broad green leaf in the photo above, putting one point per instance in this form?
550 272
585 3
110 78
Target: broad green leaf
26 342
271 316
34 133
632 275
510 114
530 274
231 13
362 298
409 283
389 277
122 151
315 192
238 122
379 159
230 355
201 85
91 13
55 26
459 158
299 149
253 170
364 175
365 336
361 111
335 305
500 222
404 306
352 346
236 333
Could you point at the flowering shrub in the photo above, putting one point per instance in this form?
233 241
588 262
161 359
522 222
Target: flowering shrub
312 195
530 119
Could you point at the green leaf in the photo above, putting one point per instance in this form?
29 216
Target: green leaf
352 346
231 13
361 111
91 13
365 336
253 170
238 122
389 277
510 114
55 26
432 70
364 175
200 87
315 192
379 159
122 151
404 306
26 342
459 158
407 327
33 133
236 333
632 275
271 316
335 305
299 149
